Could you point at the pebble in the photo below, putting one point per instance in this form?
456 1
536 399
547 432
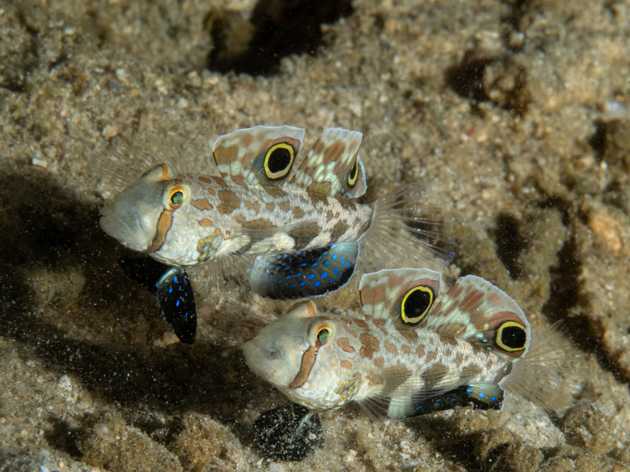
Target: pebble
607 231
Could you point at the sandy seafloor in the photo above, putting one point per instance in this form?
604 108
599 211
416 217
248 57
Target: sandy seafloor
514 116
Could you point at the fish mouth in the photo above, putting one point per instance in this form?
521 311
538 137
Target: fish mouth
127 228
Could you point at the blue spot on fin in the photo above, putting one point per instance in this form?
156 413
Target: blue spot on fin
177 303
173 291
485 395
307 273
480 396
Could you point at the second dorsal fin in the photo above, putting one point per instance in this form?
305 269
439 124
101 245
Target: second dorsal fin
333 165
259 156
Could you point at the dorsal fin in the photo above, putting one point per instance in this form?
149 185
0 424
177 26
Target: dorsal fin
383 292
478 311
259 156
473 309
333 165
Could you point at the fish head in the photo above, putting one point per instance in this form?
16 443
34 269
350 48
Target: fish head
142 215
297 354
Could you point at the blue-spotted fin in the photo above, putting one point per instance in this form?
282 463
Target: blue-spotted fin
302 213
173 291
414 347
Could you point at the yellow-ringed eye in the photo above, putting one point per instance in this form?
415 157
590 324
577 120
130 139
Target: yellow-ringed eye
176 197
353 176
278 161
511 336
322 336
416 304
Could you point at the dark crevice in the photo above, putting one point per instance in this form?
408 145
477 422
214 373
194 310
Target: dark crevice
276 29
513 20
564 305
509 242
598 140
453 446
466 78
64 437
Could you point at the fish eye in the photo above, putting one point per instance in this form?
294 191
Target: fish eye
416 304
278 161
511 336
322 336
176 197
353 176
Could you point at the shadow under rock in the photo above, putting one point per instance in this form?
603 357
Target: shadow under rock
276 29
45 227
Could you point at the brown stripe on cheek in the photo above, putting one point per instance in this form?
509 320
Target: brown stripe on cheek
308 360
163 225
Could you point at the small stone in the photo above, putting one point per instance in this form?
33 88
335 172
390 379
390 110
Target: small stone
607 231
110 132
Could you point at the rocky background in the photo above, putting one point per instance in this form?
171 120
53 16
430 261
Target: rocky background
513 115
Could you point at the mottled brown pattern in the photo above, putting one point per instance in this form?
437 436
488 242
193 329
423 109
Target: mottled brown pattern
470 372
333 151
270 206
455 291
252 205
284 206
259 224
347 204
408 333
225 154
303 233
396 376
205 179
391 348
374 379
229 202
459 358
446 339
338 230
344 344
318 191
345 364
318 147
420 351
472 300
379 362
205 222
380 324
238 179
431 356
247 139
372 295
434 375
369 345
406 349
202 204
361 323
298 213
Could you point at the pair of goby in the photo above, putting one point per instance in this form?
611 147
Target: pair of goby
413 346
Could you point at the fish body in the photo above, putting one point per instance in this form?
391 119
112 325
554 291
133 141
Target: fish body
414 346
268 197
